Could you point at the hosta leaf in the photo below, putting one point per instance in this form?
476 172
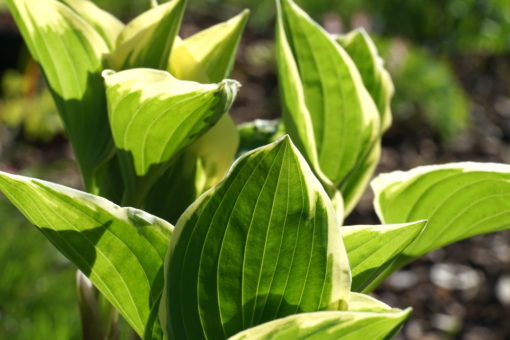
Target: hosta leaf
147 40
154 115
70 52
356 182
459 200
257 133
103 22
213 49
364 303
326 105
377 80
263 244
371 249
345 325
121 250
204 57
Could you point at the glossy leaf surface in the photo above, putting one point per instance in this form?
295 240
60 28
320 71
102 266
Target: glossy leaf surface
345 325
261 245
371 249
154 115
121 250
459 200
376 78
327 108
147 40
70 52
108 26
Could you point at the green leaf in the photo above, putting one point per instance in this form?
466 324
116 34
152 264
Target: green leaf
147 40
70 52
153 116
204 57
364 303
345 325
213 50
459 200
257 133
121 250
262 244
108 26
371 249
377 80
355 184
326 107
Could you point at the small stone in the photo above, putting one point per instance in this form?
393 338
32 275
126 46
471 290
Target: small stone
503 290
454 276
446 323
402 279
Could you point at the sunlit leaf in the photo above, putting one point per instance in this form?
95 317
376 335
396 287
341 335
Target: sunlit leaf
459 200
70 52
364 303
327 108
108 26
147 40
371 249
204 57
261 245
377 80
345 325
153 115
213 50
121 250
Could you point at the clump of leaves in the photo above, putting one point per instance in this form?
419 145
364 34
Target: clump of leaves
261 252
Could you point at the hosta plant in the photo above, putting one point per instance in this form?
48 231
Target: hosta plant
185 244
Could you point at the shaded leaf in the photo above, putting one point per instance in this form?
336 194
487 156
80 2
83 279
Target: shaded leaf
261 245
345 325
70 52
371 249
120 250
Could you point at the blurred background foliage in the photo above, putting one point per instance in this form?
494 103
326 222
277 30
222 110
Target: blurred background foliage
450 62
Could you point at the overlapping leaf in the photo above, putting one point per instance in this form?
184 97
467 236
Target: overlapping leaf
204 57
459 200
377 80
154 115
108 26
345 325
327 108
121 250
147 40
372 249
261 245
70 52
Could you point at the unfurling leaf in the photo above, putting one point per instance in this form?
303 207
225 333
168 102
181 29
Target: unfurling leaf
153 116
120 250
326 107
263 244
204 57
147 40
